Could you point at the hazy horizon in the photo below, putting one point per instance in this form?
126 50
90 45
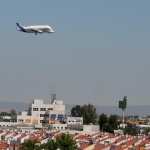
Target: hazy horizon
131 110
98 54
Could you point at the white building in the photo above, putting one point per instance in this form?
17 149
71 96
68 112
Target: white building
74 120
75 123
91 128
40 110
7 124
58 127
24 118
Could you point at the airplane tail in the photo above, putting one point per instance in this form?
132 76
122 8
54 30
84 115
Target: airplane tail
19 27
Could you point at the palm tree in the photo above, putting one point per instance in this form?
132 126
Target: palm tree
66 142
123 106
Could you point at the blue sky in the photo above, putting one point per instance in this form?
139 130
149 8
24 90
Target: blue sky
99 52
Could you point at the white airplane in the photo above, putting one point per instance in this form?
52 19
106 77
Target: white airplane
35 29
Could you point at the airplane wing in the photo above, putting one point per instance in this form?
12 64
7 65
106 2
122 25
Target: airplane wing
37 30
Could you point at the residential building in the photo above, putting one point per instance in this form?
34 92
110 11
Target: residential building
75 123
75 120
24 118
58 126
40 112
53 111
91 128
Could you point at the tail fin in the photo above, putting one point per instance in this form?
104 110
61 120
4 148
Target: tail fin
19 26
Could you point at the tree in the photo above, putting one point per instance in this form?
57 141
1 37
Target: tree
123 105
3 137
131 130
146 131
13 115
76 111
66 142
30 145
113 123
63 142
89 114
102 121
108 124
50 145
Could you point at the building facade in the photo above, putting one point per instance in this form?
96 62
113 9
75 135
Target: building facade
40 111
74 123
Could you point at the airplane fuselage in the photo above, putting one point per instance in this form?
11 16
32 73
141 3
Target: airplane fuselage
35 29
40 28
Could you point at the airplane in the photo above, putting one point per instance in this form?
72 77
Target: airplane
35 29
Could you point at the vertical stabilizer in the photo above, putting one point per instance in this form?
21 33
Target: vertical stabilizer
21 28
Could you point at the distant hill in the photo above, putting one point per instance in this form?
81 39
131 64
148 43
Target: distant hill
18 106
131 110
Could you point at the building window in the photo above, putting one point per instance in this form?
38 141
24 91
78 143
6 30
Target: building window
50 108
41 115
53 116
20 120
44 115
60 117
43 109
41 121
35 109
